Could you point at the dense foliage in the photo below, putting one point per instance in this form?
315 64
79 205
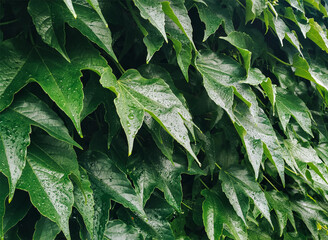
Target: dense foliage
151 119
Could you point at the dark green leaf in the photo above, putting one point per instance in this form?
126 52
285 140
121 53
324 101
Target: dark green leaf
118 230
45 229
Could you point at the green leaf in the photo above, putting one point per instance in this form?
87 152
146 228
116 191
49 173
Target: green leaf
45 229
16 124
137 95
49 26
299 19
15 211
50 189
245 45
270 91
152 11
115 184
314 72
153 41
311 214
182 47
238 185
290 105
50 17
153 170
217 213
317 35
254 8
95 5
69 5
283 211
156 225
118 230
84 201
213 16
3 197
178 13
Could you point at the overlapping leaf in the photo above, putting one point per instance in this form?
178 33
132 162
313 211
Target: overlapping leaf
137 95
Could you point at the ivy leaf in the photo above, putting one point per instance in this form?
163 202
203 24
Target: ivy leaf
118 230
311 214
58 78
116 185
314 72
50 17
254 8
182 47
137 95
156 225
213 16
95 5
152 10
153 41
245 45
317 35
290 105
84 201
16 124
50 189
3 197
284 211
15 211
178 13
154 170
49 25
69 5
238 185
45 229
216 214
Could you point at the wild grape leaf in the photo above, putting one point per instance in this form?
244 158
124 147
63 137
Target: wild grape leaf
304 156
15 211
245 45
314 72
258 127
178 13
118 230
311 214
153 170
15 128
317 35
290 105
270 91
219 74
65 158
238 185
153 41
50 17
49 187
3 196
95 5
45 229
84 201
137 95
156 225
49 26
217 213
70 7
152 11
213 16
283 211
299 19
111 180
254 8
182 47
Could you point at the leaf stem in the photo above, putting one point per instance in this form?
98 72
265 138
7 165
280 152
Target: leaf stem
218 166
186 206
270 183
241 4
204 184
291 171
8 22
278 59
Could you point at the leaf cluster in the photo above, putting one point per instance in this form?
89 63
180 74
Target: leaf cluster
175 119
